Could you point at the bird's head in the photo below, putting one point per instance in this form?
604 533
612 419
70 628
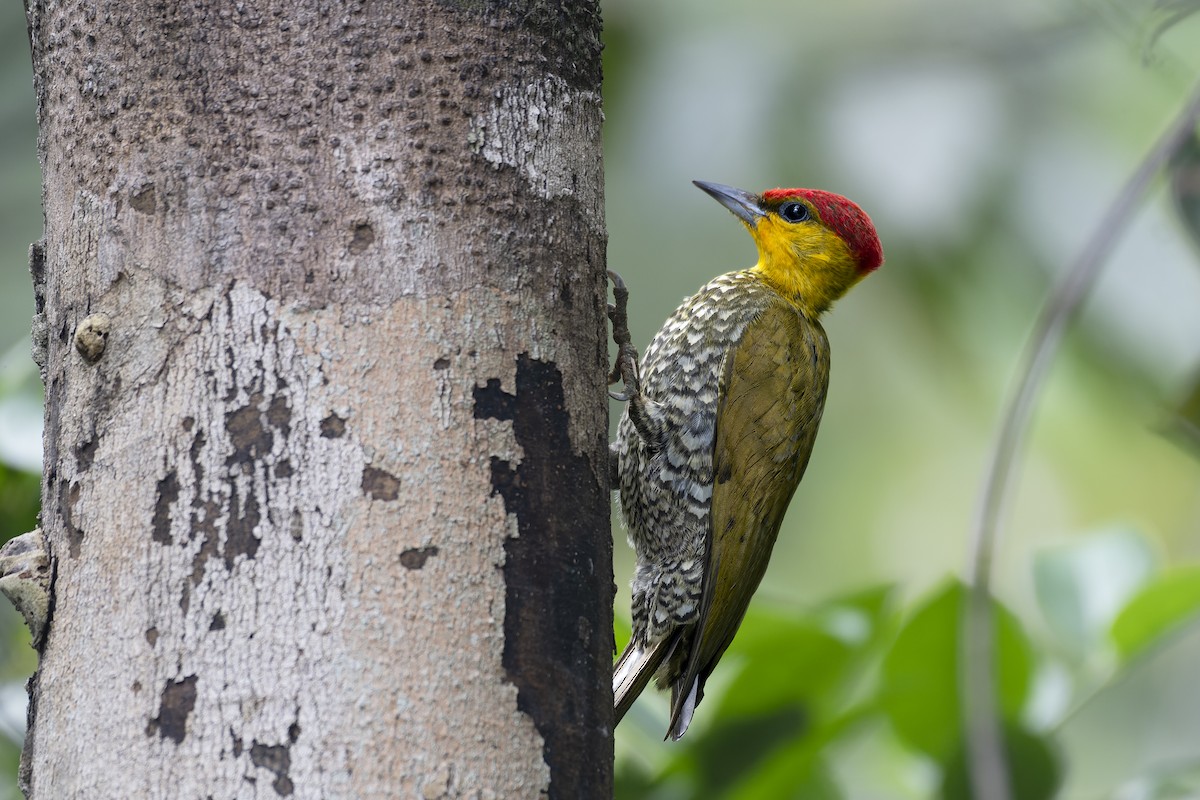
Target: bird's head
812 245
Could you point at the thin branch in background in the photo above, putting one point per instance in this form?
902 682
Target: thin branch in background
1170 13
985 749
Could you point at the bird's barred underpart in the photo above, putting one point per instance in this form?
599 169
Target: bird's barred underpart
669 492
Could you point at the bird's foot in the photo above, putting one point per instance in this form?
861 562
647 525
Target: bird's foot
643 413
625 369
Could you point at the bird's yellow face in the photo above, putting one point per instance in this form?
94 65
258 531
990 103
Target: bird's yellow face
812 245
803 259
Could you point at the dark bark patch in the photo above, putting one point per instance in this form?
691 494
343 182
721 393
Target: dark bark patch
239 530
568 37
441 363
492 402
250 438
278 759
333 427
144 199
555 629
68 496
283 469
362 237
505 480
37 270
415 557
85 454
204 517
379 484
152 636
279 415
166 494
198 442
175 706
218 622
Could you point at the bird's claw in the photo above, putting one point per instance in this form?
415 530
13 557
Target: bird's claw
625 368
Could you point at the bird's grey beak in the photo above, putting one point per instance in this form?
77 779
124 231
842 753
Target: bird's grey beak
745 206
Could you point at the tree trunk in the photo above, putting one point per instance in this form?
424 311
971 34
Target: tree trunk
325 487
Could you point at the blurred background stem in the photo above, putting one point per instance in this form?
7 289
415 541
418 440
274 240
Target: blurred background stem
989 774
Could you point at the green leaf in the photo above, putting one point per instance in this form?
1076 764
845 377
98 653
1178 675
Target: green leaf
1082 586
1156 611
786 777
1034 768
919 689
805 663
852 618
789 678
631 780
781 698
859 618
808 660
735 748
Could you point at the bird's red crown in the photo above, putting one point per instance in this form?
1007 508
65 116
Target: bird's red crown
845 218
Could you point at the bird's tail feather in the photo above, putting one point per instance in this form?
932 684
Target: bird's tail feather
635 668
682 708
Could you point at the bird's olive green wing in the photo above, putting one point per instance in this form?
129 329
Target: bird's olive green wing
771 395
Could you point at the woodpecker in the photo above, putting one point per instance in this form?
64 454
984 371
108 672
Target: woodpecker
720 420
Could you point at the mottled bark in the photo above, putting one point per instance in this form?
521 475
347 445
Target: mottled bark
325 489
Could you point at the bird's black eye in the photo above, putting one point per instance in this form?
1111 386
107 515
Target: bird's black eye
794 212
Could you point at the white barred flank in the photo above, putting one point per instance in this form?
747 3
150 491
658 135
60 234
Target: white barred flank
666 495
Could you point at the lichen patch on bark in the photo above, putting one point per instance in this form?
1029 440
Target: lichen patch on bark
560 118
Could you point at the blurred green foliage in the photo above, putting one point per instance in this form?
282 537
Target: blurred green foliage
804 684
921 669
1157 610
